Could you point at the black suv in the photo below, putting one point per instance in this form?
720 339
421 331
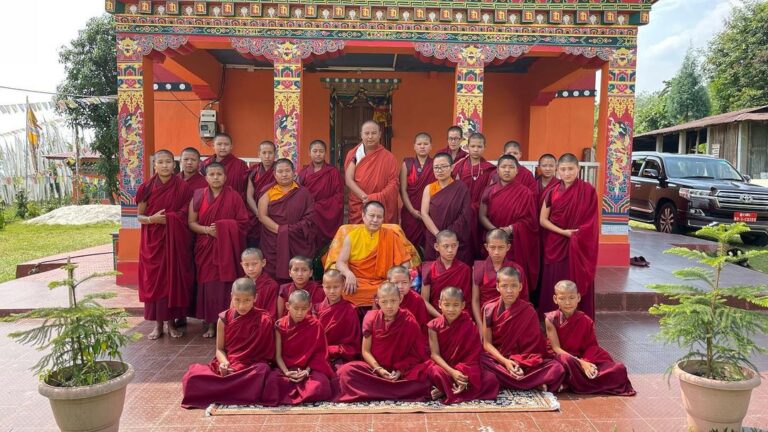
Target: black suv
676 192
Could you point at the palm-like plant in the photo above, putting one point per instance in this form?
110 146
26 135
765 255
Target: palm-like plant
717 335
79 337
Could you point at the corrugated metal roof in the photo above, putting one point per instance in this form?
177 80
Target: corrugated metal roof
754 114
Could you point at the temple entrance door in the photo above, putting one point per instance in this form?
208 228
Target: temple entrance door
349 120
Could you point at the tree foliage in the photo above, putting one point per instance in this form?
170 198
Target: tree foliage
688 98
737 59
651 112
717 335
90 68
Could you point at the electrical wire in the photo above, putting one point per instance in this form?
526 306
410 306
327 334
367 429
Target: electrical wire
50 93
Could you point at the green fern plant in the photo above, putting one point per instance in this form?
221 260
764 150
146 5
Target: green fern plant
78 338
717 335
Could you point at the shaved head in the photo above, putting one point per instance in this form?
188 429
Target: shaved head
566 286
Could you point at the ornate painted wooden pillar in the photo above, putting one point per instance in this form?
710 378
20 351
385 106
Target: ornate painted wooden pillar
470 63
614 153
287 57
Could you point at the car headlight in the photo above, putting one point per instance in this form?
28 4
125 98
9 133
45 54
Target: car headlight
690 194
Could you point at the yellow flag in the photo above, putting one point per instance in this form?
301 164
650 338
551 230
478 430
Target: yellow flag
33 132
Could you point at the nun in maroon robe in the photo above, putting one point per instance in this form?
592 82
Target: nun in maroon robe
460 347
524 177
516 334
294 212
576 335
342 330
166 263
267 290
303 345
249 341
460 153
235 169
573 258
438 278
327 189
396 346
450 208
484 276
476 178
195 181
261 179
515 205
418 177
218 258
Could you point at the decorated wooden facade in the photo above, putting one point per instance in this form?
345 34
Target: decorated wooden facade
186 48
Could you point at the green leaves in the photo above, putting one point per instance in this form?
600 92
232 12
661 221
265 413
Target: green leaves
688 98
77 337
699 317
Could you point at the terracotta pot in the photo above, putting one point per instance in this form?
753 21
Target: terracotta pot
713 405
89 408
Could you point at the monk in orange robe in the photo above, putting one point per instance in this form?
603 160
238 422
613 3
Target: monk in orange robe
235 169
574 344
366 253
371 174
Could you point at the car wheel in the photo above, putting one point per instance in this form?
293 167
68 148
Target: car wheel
666 219
754 239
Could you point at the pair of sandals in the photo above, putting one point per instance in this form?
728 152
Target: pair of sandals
639 261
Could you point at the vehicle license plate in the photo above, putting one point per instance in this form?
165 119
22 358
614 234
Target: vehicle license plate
745 216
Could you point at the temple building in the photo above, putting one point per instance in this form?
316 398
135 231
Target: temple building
299 70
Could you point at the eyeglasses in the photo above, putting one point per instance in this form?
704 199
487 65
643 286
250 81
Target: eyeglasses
440 167
454 138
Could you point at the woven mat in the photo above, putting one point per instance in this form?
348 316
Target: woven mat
508 401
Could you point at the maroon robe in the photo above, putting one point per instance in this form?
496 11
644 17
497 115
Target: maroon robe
476 179
542 190
218 258
577 337
418 178
438 278
166 263
249 341
517 336
460 154
397 345
195 181
524 177
235 169
515 204
414 303
267 290
261 180
315 290
342 330
460 347
327 189
572 258
303 346
484 276
450 209
294 213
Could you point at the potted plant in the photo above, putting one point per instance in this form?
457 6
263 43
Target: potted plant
709 321
82 374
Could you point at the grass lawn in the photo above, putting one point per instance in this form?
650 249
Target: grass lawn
759 263
20 242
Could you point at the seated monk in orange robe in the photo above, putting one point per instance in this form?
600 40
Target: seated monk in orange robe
235 168
444 272
303 373
455 368
340 320
287 216
510 206
364 253
515 348
590 369
372 174
267 289
245 343
394 356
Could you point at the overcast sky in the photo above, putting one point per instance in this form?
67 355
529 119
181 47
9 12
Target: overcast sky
32 31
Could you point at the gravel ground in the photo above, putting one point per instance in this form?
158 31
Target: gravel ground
79 215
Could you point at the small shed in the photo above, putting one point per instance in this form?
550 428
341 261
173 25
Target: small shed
741 137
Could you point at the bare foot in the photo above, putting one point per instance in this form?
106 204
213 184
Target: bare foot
211 333
157 333
436 393
174 332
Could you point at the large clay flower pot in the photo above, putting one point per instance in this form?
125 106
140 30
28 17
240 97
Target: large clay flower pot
89 408
713 405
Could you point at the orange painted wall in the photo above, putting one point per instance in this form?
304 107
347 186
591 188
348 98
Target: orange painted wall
563 126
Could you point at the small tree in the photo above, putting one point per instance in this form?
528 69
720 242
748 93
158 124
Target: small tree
90 66
688 99
716 334
651 111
